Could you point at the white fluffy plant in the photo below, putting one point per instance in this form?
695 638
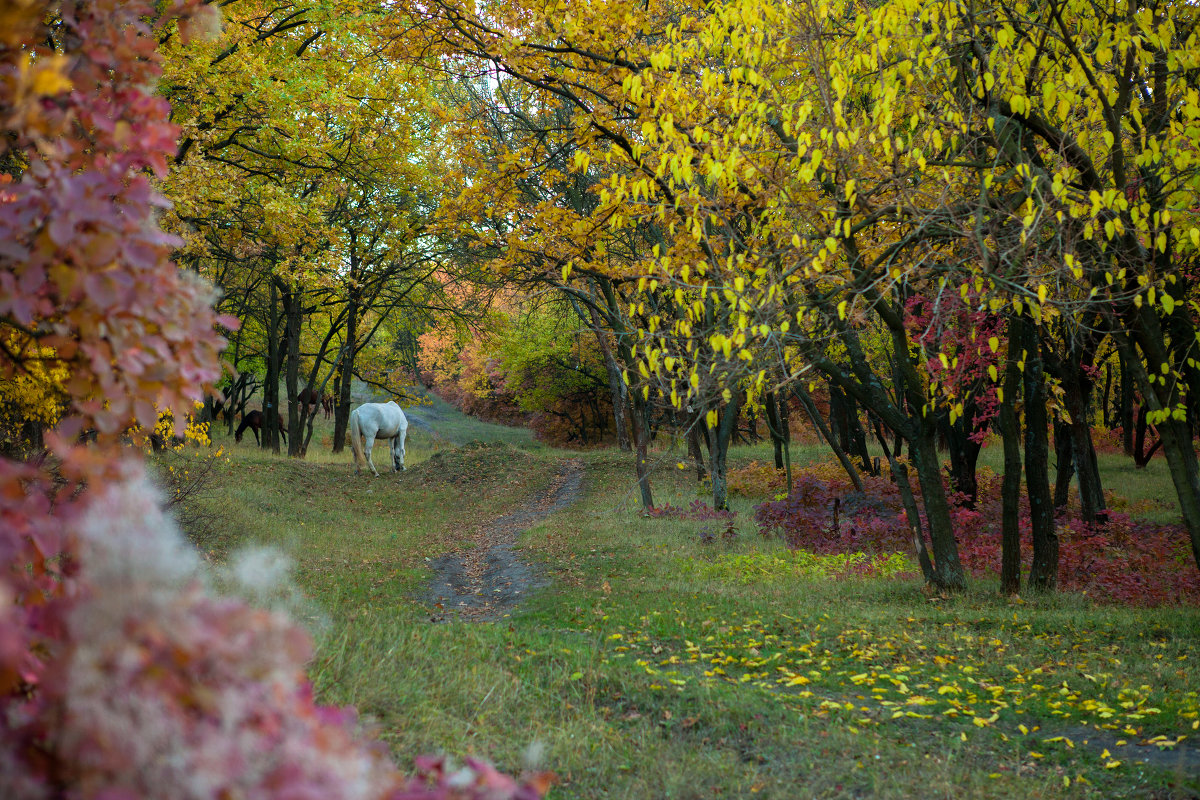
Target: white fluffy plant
152 685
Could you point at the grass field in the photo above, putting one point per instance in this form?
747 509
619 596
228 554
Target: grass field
659 666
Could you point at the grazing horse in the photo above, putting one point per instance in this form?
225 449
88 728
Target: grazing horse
254 421
374 421
327 405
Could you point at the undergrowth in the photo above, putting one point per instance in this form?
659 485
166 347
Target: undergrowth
1126 560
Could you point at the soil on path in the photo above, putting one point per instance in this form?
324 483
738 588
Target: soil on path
486 582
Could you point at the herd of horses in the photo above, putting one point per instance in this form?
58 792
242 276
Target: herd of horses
368 422
254 419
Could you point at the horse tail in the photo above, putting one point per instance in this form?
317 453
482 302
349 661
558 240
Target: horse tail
356 440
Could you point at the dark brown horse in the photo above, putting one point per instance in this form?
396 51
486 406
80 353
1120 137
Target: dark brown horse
311 397
254 421
327 405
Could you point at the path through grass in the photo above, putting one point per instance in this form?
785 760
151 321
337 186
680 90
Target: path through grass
658 666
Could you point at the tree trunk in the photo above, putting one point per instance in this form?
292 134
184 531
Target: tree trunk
270 426
1087 471
785 423
694 449
911 512
838 422
293 305
1043 575
947 567
1064 464
775 428
964 453
1077 391
810 407
639 408
1126 415
1110 411
1010 490
858 436
719 439
341 412
616 384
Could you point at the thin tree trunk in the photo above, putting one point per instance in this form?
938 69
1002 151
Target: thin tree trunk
1110 413
341 412
838 422
293 304
774 427
270 426
616 384
719 439
785 423
694 449
947 566
1043 575
811 408
858 436
911 512
1077 391
1064 464
1126 414
1010 490
964 453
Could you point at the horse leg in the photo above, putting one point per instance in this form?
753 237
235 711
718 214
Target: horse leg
254 430
400 438
368 443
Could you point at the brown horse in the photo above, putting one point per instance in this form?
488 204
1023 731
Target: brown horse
327 405
254 421
310 397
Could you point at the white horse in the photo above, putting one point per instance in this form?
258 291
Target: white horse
373 421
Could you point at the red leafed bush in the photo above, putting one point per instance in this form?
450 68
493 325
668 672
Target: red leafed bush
121 675
1126 561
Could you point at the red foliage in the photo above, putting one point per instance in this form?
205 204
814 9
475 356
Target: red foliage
121 675
83 267
954 335
1128 561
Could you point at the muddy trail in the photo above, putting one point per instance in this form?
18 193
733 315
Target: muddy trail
487 581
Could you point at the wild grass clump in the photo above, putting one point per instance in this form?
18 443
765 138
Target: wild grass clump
744 568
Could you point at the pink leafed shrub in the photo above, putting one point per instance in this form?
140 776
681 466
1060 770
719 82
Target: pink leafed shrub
1127 561
122 675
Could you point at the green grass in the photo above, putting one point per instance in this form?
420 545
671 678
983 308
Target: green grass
637 674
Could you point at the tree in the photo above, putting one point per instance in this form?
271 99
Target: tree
119 673
299 130
814 167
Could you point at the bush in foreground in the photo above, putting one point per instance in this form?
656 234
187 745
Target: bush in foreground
122 674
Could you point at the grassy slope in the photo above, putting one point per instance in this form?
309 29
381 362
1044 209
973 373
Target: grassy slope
637 677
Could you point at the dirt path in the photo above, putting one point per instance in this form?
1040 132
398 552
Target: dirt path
486 582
